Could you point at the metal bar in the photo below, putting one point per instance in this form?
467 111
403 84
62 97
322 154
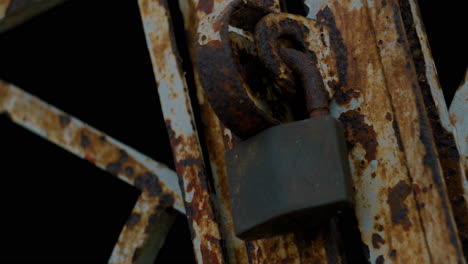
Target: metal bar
150 221
125 163
402 204
318 247
425 170
459 119
178 115
144 233
16 12
448 145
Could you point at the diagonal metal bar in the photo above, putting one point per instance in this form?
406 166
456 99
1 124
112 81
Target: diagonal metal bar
180 122
130 166
151 218
16 12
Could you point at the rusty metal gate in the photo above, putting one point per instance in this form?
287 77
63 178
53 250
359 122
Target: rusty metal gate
408 151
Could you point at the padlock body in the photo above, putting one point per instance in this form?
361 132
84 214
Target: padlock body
289 177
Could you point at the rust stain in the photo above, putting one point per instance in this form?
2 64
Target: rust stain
148 182
64 120
377 241
133 219
4 96
84 140
146 223
357 131
326 18
205 6
320 245
396 200
388 116
177 111
380 260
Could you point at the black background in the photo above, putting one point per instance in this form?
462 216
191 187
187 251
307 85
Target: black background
89 58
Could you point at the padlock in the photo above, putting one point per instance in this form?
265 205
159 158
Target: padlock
295 175
289 176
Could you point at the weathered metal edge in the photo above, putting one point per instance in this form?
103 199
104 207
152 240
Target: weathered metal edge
180 123
448 145
459 119
150 220
144 233
73 135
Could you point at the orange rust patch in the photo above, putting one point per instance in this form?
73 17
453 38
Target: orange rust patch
90 158
206 6
4 92
396 200
357 131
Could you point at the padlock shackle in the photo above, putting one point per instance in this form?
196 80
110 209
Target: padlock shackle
282 44
311 80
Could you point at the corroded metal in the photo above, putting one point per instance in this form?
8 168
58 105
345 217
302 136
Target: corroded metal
130 166
244 110
459 119
273 176
299 61
144 233
15 12
180 123
448 146
157 183
305 247
402 204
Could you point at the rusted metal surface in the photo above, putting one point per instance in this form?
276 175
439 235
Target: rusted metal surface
307 247
144 233
15 12
178 115
401 199
459 119
130 166
448 146
426 153
244 110
300 60
157 183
